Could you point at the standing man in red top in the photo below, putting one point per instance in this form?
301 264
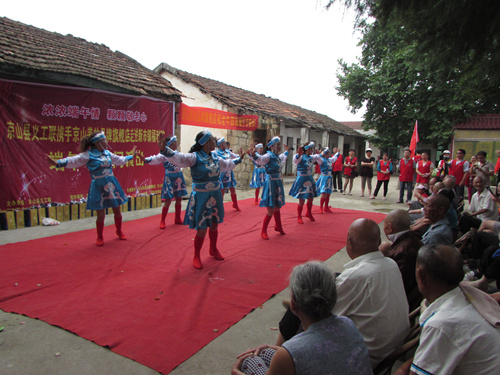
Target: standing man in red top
337 171
459 168
406 173
424 169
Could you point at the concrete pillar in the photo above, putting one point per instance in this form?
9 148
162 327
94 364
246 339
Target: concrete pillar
304 135
341 144
325 139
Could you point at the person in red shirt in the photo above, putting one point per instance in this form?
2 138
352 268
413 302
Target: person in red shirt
406 173
459 168
337 171
424 168
384 169
350 167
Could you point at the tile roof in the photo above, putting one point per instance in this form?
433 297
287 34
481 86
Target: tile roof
480 122
356 125
27 51
245 100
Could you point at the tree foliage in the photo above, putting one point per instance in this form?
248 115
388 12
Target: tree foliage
431 61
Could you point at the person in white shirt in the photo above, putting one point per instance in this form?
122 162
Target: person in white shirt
459 328
370 292
483 206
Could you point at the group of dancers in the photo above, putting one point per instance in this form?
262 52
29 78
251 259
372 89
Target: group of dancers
212 173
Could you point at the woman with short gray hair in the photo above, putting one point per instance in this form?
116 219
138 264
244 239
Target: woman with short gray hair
330 344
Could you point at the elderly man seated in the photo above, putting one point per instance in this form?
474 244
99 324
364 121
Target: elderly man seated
402 247
458 336
482 206
440 231
370 293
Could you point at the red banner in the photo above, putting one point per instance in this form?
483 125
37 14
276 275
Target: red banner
213 118
36 120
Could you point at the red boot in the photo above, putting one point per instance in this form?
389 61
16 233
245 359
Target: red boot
309 213
198 243
257 196
277 221
213 234
327 204
164 213
118 225
299 214
265 223
178 208
100 228
235 202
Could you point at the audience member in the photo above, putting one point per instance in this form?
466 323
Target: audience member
406 173
370 292
330 344
337 171
423 169
367 172
402 248
444 164
470 178
440 231
456 338
482 207
459 168
483 168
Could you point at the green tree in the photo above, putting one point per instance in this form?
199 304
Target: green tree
418 64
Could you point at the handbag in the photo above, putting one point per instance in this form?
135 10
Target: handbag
355 174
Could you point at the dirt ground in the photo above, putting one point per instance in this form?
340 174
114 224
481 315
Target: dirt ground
32 347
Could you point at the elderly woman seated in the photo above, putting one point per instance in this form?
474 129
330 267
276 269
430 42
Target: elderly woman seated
330 344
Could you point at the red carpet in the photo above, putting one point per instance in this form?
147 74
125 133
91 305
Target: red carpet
143 299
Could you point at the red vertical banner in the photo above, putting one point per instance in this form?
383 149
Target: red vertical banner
38 120
414 139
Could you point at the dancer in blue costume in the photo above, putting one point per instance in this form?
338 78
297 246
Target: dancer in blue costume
227 178
105 190
324 185
304 186
205 208
258 174
174 186
273 196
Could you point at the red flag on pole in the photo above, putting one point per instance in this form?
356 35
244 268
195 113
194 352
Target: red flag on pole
414 140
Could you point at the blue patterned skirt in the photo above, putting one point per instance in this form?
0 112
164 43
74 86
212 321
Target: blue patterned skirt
324 184
227 180
105 192
258 178
273 194
303 187
177 184
203 207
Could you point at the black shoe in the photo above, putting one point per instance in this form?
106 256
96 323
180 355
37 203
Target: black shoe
399 202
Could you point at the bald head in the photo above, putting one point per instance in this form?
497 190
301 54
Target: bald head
438 186
398 220
363 237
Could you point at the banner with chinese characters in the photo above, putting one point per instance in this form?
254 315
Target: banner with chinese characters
213 118
38 120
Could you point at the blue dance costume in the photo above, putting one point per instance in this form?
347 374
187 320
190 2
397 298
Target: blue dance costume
324 185
304 186
227 178
273 192
258 176
174 185
205 202
105 190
